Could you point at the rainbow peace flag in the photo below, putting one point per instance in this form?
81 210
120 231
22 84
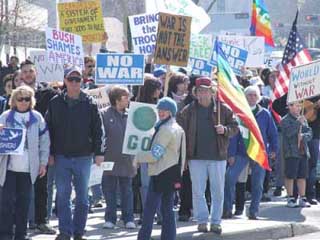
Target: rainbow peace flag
231 92
260 22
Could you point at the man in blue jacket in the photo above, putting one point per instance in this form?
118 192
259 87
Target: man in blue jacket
76 133
238 158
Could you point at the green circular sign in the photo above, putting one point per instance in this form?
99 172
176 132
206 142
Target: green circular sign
144 118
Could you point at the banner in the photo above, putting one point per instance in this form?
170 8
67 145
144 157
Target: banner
46 71
100 96
140 127
173 40
200 67
254 45
236 57
304 82
143 30
64 48
82 18
12 141
201 46
95 175
117 68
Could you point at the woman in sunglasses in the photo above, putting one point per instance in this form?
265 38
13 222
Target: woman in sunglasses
19 172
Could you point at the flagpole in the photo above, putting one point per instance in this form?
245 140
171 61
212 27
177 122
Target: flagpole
218 100
166 84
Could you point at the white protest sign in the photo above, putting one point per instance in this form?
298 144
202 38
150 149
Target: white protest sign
107 166
254 46
201 46
100 95
46 71
144 29
304 82
140 127
64 47
95 175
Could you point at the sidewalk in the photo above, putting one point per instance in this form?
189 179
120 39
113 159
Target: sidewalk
277 221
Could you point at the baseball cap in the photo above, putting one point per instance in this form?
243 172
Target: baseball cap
203 82
72 69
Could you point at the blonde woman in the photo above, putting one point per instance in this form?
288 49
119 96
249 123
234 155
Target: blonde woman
18 173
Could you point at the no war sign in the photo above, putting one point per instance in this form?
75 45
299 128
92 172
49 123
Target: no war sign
12 141
115 68
200 67
236 57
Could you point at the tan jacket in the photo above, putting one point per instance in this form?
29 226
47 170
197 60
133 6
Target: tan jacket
170 136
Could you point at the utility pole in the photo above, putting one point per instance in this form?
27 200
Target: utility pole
6 29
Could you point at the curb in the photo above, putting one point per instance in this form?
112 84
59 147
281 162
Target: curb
267 233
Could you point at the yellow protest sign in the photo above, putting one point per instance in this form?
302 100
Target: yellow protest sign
173 39
82 18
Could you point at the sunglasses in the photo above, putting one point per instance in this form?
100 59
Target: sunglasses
26 99
74 79
90 66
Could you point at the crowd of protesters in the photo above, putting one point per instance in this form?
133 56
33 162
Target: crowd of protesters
67 133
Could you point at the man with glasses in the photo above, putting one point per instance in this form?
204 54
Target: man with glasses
76 133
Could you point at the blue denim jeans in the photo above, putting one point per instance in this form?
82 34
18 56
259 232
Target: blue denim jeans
200 171
312 176
109 188
96 191
168 231
74 170
257 178
50 184
31 212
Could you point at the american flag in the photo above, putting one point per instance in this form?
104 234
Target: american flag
295 54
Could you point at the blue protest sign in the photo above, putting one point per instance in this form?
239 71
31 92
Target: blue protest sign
236 57
200 66
12 141
117 68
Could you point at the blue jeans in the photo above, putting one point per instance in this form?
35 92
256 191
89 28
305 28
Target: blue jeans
257 178
31 212
15 205
74 170
312 178
168 231
96 193
200 171
109 188
50 184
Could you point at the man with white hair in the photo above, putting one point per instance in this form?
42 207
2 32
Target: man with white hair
238 158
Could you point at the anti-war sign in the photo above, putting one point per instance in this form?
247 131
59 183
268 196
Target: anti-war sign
304 82
83 18
46 71
144 32
115 68
101 96
200 67
12 141
173 40
140 127
236 57
64 48
201 46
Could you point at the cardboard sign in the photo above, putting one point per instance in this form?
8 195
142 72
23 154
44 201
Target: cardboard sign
254 46
82 18
46 71
201 46
116 68
144 29
12 141
107 166
101 97
200 67
140 127
173 40
64 48
304 82
95 175
236 57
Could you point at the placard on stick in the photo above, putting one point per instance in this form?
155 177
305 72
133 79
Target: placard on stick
173 40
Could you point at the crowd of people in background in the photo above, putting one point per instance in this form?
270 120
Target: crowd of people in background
67 133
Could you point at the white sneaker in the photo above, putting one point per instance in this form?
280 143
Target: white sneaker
131 225
303 202
292 203
109 225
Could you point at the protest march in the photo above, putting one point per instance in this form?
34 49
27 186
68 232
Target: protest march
160 119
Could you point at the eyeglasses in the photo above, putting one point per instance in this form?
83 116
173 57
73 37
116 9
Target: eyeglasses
74 79
26 99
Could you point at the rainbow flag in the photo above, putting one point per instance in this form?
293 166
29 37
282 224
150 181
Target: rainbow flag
231 92
260 22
